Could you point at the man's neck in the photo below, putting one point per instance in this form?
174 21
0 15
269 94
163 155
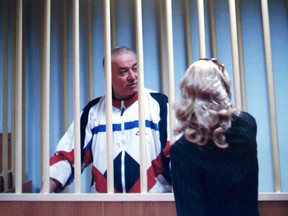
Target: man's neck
125 102
123 99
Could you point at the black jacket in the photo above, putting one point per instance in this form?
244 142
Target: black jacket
212 181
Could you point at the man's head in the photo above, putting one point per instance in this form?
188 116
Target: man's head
124 72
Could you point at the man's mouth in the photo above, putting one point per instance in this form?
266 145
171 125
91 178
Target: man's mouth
132 85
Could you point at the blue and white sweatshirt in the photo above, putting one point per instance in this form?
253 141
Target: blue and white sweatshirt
126 145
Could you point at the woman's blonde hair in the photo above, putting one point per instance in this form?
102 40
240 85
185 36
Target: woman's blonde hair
204 110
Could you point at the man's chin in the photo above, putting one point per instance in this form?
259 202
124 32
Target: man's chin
133 89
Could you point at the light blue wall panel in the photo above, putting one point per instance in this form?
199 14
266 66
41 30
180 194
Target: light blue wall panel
254 65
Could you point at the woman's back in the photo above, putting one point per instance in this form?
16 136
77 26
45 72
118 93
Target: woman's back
209 180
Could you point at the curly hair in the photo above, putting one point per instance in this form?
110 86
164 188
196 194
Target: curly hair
204 110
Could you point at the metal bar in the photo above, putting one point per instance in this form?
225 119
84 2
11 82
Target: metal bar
188 34
171 99
76 90
90 48
108 79
271 96
139 44
241 57
201 28
212 21
235 53
18 101
45 129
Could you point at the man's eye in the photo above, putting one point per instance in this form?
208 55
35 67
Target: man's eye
135 69
122 72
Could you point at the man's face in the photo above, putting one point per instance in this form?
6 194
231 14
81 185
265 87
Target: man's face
124 75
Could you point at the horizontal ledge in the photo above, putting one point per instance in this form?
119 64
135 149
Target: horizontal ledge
132 197
92 197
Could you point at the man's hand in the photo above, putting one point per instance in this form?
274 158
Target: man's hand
54 185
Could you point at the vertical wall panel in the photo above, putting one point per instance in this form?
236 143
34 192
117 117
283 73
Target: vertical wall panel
113 24
90 48
24 97
4 156
188 33
65 61
65 67
13 81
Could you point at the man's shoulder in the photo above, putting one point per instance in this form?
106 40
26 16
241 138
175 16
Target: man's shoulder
92 103
87 108
158 96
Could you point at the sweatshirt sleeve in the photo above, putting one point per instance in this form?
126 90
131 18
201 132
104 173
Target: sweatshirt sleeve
61 163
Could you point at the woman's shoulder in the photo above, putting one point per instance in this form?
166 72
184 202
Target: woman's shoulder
245 119
178 143
182 145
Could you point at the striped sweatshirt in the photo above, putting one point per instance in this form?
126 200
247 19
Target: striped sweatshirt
126 145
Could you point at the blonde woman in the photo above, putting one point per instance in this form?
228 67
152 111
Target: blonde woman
214 163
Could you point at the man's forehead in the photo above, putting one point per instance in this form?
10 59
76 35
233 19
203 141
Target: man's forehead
124 60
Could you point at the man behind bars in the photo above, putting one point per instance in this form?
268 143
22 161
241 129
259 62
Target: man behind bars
126 144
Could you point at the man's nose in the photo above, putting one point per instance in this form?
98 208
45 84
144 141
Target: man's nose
132 75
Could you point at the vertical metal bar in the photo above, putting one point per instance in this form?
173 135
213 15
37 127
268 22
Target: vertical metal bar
76 70
212 21
5 152
235 53
139 44
163 43
241 56
45 129
201 28
188 34
271 95
90 49
170 68
18 102
108 79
